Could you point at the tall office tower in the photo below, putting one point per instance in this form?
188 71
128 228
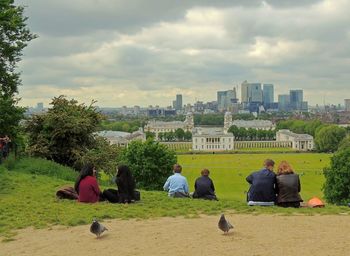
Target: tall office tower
244 92
347 105
40 106
284 102
178 102
255 93
296 99
268 95
221 99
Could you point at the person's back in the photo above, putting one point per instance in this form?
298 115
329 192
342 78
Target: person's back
204 187
263 186
176 184
126 184
288 186
89 191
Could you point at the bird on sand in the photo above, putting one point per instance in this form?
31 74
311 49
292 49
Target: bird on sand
97 228
224 225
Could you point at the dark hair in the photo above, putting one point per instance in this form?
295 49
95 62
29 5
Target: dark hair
177 168
125 180
269 162
87 170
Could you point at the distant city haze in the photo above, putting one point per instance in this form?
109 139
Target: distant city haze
126 53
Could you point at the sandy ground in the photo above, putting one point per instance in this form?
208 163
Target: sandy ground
253 235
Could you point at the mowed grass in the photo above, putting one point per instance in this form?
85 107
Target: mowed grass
229 171
28 198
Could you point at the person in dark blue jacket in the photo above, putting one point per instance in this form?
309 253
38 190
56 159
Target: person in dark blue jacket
204 187
262 189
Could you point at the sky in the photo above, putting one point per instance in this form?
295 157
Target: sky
126 52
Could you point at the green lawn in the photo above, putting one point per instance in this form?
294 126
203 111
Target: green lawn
27 193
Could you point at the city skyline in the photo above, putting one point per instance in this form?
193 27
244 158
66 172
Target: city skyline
120 53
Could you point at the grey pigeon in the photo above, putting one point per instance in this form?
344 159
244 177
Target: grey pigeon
97 228
224 225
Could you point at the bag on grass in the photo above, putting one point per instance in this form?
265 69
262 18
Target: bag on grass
67 193
315 202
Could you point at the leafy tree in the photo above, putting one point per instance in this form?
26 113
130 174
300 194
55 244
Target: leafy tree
161 136
150 162
337 184
188 136
328 138
344 144
150 135
234 130
65 133
179 134
14 36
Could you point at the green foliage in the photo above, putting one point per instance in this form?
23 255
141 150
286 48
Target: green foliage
179 134
251 134
300 126
209 119
344 144
328 138
150 162
150 135
10 117
39 166
65 133
337 185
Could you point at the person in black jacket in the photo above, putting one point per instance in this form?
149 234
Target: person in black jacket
204 187
262 189
288 186
126 187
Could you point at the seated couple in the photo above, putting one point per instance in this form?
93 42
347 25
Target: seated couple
267 188
177 185
89 192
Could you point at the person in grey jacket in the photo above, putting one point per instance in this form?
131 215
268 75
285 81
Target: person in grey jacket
288 186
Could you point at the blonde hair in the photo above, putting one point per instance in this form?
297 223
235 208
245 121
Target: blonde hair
284 168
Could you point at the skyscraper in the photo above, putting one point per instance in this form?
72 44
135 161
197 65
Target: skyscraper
268 95
226 99
296 99
255 93
244 92
347 105
283 102
178 105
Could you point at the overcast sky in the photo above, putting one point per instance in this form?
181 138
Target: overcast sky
125 52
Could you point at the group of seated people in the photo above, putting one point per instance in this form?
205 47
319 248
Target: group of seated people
266 187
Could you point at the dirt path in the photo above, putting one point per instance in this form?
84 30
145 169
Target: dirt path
253 235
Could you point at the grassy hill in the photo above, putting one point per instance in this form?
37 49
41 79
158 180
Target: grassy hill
27 192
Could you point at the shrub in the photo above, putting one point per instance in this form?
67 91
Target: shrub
337 185
150 162
328 138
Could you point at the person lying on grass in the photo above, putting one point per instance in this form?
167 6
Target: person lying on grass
288 186
204 187
126 187
176 184
86 185
262 189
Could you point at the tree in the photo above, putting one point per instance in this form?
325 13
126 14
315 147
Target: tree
188 136
14 36
65 133
337 184
179 134
234 130
150 162
328 138
150 135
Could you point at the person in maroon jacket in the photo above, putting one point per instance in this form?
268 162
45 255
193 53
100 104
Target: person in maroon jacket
87 186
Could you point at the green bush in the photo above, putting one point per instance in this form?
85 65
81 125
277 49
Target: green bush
329 137
337 185
45 167
150 162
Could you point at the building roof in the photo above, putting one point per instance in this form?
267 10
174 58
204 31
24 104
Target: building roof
296 135
253 123
210 131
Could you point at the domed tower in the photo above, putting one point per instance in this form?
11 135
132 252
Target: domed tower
227 121
189 123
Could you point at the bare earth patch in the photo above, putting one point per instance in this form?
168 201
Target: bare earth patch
253 235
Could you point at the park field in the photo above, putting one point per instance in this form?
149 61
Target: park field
229 171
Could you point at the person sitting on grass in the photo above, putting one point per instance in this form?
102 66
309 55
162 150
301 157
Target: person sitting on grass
204 187
288 186
262 189
87 186
176 184
126 187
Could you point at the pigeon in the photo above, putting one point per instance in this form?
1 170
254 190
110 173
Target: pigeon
224 225
97 228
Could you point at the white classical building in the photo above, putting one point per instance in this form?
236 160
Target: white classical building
302 142
122 138
160 126
255 124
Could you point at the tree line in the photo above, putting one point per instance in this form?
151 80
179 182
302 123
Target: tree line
242 134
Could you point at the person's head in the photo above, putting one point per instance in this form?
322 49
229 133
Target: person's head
269 164
284 168
123 170
87 170
177 168
205 172
124 176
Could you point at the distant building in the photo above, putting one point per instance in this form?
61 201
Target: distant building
284 102
252 96
302 142
347 105
40 106
296 99
122 138
254 124
226 99
156 112
160 126
268 95
178 105
212 139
